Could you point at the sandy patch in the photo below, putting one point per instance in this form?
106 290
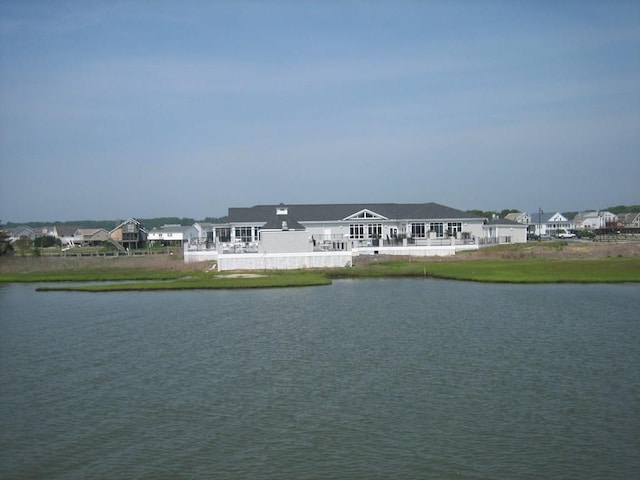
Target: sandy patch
241 275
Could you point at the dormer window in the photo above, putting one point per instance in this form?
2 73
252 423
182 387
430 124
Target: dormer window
282 211
284 225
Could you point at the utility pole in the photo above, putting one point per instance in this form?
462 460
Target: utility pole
540 224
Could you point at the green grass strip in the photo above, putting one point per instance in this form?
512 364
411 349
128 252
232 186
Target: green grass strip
606 270
93 276
290 279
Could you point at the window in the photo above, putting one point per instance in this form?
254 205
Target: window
356 230
438 228
375 230
454 229
418 230
244 234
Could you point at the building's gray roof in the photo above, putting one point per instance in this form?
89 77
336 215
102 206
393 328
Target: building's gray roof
504 221
66 231
172 229
546 217
337 212
275 221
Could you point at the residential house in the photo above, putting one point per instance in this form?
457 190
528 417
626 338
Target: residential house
91 236
66 235
549 224
16 233
173 235
630 220
129 235
593 220
520 217
205 233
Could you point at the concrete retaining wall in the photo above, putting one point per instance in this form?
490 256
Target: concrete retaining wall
283 261
289 261
200 256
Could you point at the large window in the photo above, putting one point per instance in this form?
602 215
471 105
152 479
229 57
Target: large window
361 230
454 229
375 230
418 230
437 228
244 234
356 230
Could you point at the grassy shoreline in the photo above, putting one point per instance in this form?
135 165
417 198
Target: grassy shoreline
550 262
523 270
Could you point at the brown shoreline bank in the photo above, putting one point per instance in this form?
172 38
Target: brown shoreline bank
544 250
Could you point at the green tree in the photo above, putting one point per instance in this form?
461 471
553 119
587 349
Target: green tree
507 211
5 245
46 241
23 245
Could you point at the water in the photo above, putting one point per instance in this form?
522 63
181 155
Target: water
359 380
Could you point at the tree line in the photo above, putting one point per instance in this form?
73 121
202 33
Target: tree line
149 223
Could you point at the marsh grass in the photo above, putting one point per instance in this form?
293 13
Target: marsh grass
296 278
150 277
604 270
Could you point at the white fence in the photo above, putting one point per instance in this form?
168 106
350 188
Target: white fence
422 251
283 261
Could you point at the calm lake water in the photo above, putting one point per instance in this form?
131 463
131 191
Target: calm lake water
359 380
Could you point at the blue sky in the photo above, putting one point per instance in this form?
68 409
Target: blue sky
115 109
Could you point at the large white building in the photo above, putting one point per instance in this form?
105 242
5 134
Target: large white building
298 236
344 226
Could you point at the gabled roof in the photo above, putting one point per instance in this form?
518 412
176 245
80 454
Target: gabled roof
89 231
546 217
66 231
629 218
515 216
365 213
128 221
280 215
340 212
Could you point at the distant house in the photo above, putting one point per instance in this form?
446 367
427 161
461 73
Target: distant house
173 235
66 235
593 220
16 233
205 232
129 234
549 224
520 217
630 220
587 221
91 236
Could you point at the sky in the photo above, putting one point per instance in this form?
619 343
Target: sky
157 108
